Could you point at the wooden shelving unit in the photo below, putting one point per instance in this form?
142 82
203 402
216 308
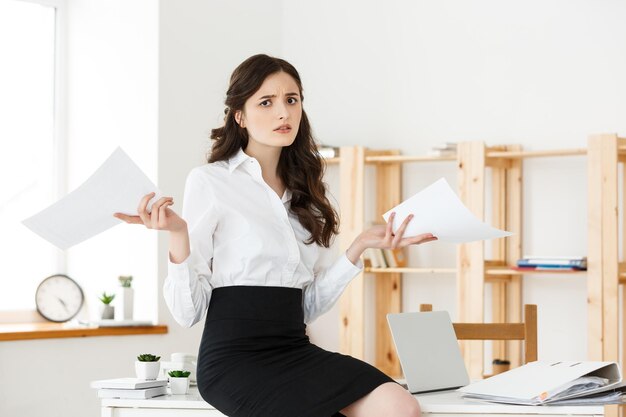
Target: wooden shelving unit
472 270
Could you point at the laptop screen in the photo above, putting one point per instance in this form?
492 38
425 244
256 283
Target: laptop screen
428 351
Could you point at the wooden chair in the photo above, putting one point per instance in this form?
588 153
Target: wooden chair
526 331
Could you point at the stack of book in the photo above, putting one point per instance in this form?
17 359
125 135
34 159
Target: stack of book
130 388
384 258
327 151
448 149
565 263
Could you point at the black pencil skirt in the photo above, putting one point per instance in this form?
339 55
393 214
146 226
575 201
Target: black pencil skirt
255 359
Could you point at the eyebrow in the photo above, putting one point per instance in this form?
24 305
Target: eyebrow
274 95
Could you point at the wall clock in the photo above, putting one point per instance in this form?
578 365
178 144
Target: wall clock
59 298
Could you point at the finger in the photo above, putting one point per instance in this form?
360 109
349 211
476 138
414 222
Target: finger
389 229
128 219
157 204
401 230
163 214
419 239
141 210
156 213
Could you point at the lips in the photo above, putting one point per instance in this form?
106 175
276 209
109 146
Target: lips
283 128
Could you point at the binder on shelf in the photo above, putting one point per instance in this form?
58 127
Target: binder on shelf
539 383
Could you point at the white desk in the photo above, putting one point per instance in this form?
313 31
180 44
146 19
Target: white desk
446 404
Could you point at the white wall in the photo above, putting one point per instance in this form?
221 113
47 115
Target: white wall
411 75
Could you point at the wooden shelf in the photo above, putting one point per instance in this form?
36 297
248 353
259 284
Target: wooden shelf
407 270
405 158
28 331
505 270
535 154
504 163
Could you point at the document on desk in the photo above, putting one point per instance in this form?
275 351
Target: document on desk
554 383
115 187
438 210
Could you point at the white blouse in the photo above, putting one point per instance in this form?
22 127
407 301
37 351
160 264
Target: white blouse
241 233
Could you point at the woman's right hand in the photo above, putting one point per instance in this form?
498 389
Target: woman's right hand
160 218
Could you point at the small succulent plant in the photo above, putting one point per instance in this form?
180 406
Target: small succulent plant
125 280
148 357
106 298
179 374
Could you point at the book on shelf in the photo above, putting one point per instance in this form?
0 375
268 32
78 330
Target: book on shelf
547 268
448 149
398 256
561 262
327 151
132 393
385 258
128 383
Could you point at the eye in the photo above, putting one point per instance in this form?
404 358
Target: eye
265 103
292 100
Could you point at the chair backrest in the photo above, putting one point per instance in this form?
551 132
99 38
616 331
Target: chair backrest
526 331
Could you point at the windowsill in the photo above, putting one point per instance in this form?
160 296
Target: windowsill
27 331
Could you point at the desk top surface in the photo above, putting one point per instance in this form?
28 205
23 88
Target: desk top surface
441 402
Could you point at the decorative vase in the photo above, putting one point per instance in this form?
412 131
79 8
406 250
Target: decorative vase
147 370
179 386
107 311
126 303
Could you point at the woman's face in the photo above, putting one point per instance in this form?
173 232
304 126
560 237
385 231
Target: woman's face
272 114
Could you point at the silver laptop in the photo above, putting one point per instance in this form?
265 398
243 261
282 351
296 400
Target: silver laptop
428 351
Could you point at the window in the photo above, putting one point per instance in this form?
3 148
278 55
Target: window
30 145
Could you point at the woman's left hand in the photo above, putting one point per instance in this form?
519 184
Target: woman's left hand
383 237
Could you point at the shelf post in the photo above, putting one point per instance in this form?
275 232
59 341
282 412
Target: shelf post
471 264
602 256
513 252
352 204
388 285
506 178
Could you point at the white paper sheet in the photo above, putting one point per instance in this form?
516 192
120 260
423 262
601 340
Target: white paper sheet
439 211
116 186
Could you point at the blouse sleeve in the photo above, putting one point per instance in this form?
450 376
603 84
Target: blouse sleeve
187 288
330 279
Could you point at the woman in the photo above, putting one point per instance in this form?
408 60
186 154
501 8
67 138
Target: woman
252 248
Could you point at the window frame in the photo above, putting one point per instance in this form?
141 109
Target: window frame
59 136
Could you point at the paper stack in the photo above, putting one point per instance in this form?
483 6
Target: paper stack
130 388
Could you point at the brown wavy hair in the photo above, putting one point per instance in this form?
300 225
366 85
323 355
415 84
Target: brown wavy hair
300 166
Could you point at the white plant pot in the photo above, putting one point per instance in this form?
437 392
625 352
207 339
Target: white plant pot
179 386
147 370
107 312
125 303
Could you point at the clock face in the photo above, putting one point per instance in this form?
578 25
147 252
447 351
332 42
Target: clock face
59 298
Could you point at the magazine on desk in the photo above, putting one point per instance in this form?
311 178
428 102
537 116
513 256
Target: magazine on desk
552 383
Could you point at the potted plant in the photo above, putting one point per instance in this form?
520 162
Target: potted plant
126 300
107 311
179 381
147 366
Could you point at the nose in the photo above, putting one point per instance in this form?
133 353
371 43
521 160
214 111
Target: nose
282 111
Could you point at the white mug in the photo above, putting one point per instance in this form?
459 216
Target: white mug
184 357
